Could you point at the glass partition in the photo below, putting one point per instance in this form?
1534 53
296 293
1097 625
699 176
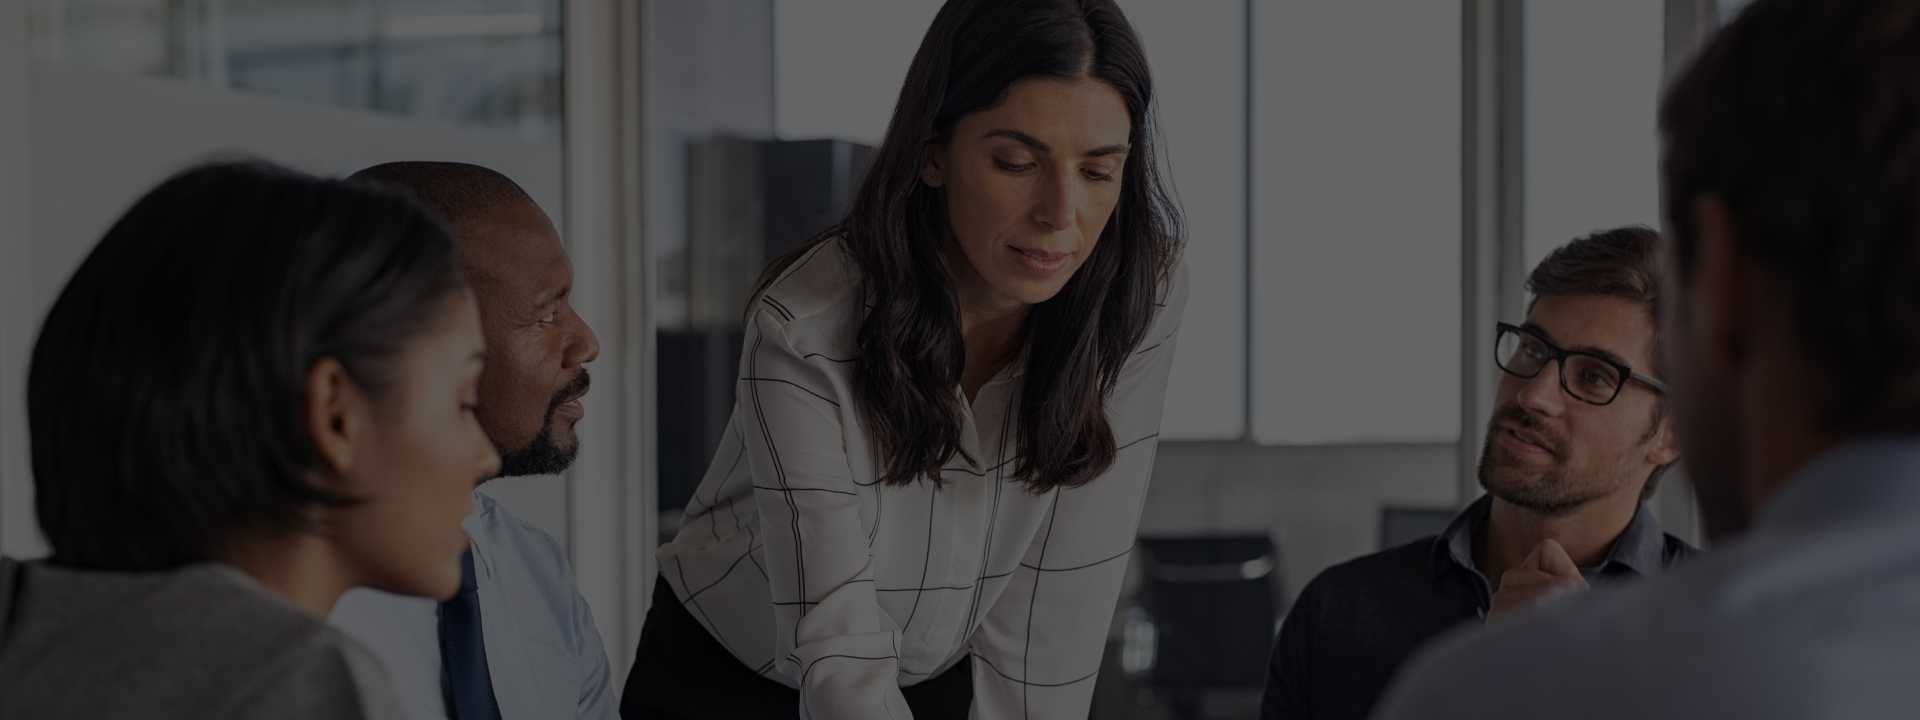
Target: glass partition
485 64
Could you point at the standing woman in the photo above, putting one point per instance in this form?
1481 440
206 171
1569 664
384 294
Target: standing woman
948 405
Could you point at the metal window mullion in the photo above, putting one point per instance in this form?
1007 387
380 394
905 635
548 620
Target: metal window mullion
1492 165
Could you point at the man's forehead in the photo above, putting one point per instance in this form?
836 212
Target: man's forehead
1608 325
515 245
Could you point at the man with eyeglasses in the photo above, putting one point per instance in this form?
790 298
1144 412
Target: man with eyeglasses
1789 174
1578 440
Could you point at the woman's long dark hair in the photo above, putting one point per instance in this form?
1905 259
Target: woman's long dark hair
911 350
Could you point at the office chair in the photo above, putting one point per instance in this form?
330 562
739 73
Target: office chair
1214 603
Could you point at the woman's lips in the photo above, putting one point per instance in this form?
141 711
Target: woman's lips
1039 262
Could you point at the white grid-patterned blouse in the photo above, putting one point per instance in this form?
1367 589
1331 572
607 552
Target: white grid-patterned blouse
816 576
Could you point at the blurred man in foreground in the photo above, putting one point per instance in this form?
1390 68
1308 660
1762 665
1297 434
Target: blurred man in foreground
1792 176
1577 442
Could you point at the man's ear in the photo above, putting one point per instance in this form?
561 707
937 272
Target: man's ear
1665 448
336 414
931 171
1718 287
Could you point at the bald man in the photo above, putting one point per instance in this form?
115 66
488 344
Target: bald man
518 642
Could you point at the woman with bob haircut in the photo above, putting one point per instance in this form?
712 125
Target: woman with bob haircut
948 403
256 392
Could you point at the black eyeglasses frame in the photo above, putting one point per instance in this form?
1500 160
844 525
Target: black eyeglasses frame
1559 356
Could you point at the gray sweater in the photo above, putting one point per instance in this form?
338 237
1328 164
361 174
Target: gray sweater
202 641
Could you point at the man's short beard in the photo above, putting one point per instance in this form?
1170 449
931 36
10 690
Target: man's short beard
542 456
1549 493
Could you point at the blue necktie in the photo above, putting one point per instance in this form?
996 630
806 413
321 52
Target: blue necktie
463 652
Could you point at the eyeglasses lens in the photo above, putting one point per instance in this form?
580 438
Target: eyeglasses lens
1591 379
1585 377
1521 354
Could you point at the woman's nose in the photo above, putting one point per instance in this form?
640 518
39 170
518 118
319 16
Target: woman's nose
1053 208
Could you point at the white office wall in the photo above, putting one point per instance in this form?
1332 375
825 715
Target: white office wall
1592 92
838 70
100 140
17 317
1356 238
1197 52
838 64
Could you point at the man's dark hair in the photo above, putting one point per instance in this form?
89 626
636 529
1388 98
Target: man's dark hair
166 394
1803 118
456 192
1619 263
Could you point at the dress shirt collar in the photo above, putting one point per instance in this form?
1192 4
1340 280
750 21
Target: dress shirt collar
1640 548
1877 477
1456 542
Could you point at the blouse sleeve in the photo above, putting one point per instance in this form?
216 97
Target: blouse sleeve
1039 647
832 638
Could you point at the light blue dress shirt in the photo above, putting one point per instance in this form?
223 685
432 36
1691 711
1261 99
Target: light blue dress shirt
544 654
1813 613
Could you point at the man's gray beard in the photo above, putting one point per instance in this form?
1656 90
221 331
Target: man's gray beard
1547 494
541 457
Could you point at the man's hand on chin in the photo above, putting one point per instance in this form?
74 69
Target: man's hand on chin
1546 572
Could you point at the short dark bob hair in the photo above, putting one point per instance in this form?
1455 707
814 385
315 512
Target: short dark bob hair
1803 117
166 396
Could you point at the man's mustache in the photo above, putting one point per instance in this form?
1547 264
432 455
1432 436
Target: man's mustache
573 390
1513 415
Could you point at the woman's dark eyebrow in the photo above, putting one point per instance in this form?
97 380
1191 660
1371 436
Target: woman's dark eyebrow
1033 142
1020 137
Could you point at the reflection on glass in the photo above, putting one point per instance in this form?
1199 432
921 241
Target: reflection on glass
486 64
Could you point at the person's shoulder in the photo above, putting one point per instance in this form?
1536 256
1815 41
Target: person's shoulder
1173 292
204 640
220 600
1676 551
1177 275
1412 560
1673 639
1523 668
822 280
327 676
1390 574
1169 308
504 536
